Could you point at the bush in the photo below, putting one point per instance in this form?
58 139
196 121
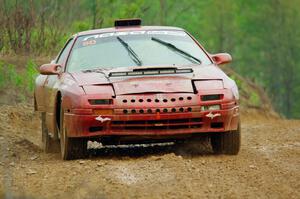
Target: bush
20 81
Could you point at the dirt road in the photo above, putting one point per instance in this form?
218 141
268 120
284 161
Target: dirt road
268 165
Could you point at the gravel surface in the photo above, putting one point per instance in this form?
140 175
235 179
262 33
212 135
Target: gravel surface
268 165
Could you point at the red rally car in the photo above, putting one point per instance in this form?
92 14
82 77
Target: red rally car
136 84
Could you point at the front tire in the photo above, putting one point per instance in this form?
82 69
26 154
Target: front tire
71 148
227 143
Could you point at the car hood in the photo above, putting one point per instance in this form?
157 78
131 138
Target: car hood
153 83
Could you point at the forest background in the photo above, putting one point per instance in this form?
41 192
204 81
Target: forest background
263 36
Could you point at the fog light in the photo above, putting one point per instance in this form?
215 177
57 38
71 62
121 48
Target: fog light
103 112
211 107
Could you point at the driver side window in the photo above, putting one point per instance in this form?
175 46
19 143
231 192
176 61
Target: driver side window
64 53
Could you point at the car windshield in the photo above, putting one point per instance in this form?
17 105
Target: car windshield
135 48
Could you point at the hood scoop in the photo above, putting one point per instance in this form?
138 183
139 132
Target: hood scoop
153 85
151 71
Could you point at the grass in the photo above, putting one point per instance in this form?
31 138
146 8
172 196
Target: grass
21 81
250 95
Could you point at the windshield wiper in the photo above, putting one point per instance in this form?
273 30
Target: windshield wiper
182 52
95 70
133 56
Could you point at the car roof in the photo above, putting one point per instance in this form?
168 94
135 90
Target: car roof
127 28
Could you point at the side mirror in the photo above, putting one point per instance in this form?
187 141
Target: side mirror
50 69
221 58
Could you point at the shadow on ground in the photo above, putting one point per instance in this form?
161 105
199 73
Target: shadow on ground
137 151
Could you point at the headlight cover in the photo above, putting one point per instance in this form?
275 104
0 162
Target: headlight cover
208 84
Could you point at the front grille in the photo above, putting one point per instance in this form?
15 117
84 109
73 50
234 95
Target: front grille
95 128
157 124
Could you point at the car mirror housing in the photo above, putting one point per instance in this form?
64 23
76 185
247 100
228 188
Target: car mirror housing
221 58
50 69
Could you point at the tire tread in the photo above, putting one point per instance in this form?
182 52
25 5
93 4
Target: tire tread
227 142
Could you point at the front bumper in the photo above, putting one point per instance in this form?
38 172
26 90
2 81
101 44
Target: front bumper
153 124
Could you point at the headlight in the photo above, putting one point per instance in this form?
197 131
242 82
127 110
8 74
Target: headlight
211 107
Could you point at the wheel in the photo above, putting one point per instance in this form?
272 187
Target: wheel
227 142
71 148
49 144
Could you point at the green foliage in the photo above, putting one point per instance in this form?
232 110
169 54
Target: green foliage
22 81
30 75
2 76
262 36
79 26
250 96
254 99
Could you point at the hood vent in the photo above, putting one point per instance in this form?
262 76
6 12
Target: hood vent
150 72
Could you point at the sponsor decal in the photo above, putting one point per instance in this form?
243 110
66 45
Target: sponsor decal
89 42
101 119
212 116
